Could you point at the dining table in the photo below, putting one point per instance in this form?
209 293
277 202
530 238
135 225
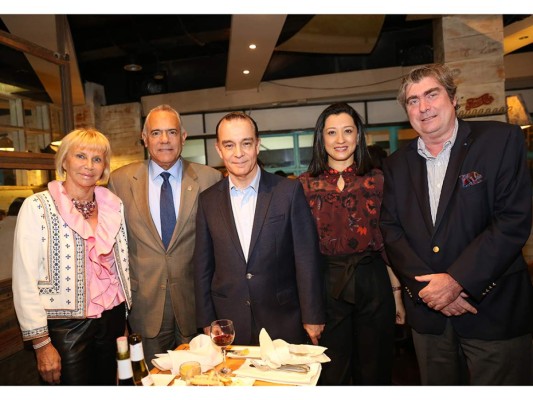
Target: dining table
231 362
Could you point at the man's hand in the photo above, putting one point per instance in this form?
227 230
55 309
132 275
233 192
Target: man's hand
459 307
441 290
314 332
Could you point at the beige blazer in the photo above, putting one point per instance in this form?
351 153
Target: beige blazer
152 268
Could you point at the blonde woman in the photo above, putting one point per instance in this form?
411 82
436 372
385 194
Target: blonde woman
70 267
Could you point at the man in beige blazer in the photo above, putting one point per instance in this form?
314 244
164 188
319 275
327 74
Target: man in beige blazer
163 310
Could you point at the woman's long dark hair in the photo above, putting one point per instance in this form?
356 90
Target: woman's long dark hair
319 162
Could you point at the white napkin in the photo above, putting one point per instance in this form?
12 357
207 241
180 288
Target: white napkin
280 376
278 352
162 379
162 362
201 349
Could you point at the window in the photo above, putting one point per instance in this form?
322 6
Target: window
288 152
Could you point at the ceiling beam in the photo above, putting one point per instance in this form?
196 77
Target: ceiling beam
261 30
518 35
337 34
41 30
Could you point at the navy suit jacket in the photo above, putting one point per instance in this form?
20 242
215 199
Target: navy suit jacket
280 287
482 223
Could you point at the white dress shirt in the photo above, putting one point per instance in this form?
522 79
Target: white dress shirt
154 189
243 202
436 169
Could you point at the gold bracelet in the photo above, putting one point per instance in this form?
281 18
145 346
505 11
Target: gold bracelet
396 288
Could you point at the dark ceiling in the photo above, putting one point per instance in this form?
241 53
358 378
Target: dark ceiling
192 51
188 52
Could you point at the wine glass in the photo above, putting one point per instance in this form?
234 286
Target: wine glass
222 334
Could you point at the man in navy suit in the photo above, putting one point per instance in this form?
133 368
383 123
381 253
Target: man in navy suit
256 255
456 213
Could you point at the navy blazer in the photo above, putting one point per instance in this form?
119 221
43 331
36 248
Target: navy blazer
483 221
280 287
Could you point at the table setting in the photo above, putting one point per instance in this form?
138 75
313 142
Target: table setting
274 362
284 363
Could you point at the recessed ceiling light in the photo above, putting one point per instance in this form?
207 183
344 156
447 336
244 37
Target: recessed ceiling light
252 46
246 72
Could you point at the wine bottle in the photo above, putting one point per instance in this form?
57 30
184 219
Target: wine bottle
125 371
141 374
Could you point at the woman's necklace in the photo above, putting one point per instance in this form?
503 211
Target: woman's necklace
86 208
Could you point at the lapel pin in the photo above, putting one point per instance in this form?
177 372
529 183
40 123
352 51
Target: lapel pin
189 188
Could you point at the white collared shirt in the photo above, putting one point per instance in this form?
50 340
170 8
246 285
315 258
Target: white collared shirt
436 169
155 180
243 202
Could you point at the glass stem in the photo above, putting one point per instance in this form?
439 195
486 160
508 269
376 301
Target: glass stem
224 367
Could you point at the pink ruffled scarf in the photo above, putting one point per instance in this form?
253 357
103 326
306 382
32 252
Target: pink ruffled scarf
103 287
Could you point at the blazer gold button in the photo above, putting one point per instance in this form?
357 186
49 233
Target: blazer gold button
249 276
436 249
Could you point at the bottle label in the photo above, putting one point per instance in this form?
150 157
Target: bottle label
124 369
147 380
136 352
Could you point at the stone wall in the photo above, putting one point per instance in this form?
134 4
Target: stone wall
121 124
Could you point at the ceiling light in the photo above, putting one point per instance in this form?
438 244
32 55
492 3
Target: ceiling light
246 72
517 113
252 46
159 75
133 67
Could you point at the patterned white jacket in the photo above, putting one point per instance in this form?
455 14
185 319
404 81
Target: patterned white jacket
49 280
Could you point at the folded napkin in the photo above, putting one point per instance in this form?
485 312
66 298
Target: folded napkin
275 353
201 349
280 376
162 362
278 352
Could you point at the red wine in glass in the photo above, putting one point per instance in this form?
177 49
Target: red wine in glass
223 340
222 334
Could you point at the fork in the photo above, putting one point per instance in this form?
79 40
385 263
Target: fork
299 368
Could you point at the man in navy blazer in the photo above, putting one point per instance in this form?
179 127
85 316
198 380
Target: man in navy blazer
256 255
456 213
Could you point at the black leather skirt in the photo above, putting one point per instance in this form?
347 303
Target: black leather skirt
88 347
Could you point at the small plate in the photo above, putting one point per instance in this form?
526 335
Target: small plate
235 352
306 350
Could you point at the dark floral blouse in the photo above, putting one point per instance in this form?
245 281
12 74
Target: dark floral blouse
347 220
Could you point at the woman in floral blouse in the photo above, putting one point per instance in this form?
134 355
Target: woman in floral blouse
344 193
